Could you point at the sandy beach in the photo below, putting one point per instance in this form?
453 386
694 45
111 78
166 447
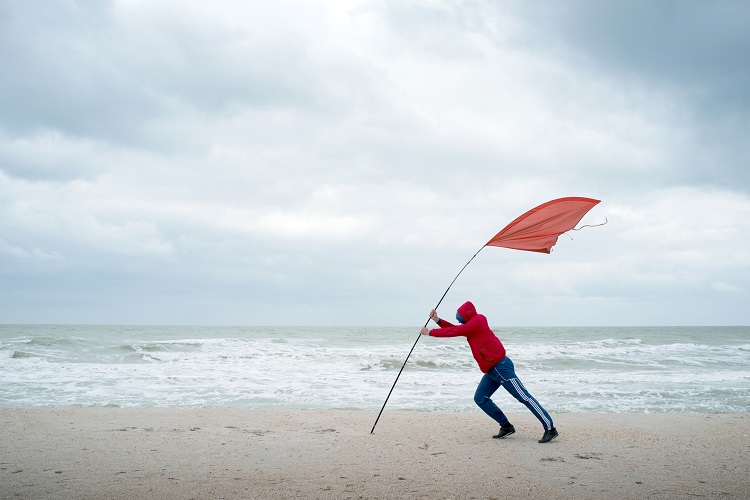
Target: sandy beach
79 452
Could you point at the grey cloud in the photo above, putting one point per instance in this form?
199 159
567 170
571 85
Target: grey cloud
56 73
290 164
698 45
694 52
681 67
78 68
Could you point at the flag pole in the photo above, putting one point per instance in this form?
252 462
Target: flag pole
418 337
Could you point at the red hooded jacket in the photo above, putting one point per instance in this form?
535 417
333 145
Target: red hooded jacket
485 346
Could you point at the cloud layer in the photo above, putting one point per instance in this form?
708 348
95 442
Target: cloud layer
337 162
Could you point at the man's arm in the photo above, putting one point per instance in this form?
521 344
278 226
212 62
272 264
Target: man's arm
440 322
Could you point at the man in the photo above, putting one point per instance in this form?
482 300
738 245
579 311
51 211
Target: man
498 369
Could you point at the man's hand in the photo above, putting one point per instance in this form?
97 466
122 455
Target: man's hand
434 316
424 331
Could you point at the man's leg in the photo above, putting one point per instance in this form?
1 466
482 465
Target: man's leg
518 391
505 371
486 388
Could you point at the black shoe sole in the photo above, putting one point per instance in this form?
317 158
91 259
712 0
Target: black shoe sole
548 440
498 436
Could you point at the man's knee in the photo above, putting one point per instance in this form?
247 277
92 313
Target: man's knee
481 399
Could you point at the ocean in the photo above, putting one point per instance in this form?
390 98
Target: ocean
592 369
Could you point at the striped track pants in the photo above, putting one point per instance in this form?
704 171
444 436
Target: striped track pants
503 374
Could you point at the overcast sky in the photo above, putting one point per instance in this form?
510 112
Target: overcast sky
337 162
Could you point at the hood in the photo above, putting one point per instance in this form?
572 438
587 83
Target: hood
467 311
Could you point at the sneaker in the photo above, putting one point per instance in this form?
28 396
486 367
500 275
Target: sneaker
505 430
549 435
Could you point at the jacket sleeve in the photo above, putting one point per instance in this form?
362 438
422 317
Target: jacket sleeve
449 331
444 324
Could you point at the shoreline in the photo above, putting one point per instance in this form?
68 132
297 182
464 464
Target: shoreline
99 452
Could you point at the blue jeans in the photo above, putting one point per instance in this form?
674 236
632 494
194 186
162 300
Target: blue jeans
504 374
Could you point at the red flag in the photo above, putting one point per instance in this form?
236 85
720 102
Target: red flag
537 230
